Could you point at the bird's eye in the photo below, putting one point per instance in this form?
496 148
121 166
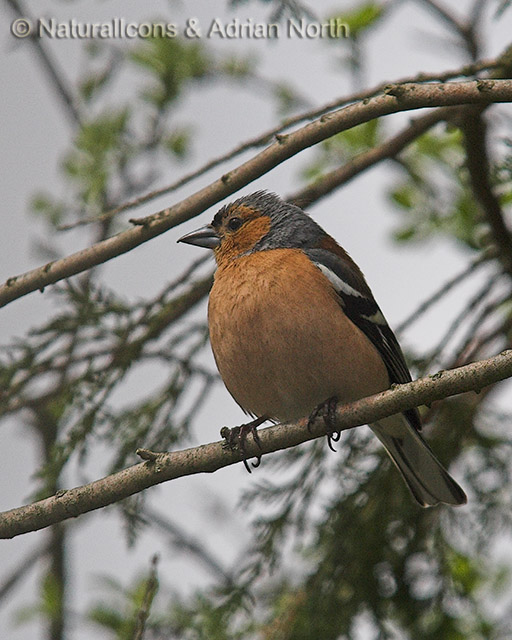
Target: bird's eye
234 223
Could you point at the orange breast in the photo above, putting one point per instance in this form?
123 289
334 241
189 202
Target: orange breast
281 341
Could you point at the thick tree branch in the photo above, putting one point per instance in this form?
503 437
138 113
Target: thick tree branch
268 136
211 457
395 99
477 160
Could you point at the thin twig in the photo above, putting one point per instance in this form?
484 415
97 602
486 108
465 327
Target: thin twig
499 332
147 601
478 297
440 293
155 323
211 457
468 348
187 541
477 11
449 18
465 29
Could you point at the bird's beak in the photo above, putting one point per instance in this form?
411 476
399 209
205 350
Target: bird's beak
204 237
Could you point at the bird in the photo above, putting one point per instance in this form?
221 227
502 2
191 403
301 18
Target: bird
294 329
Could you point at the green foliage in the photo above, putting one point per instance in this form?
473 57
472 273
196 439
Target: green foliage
178 142
361 18
238 67
95 81
98 155
338 539
503 174
202 616
170 63
286 98
116 148
43 204
121 618
49 605
503 5
370 551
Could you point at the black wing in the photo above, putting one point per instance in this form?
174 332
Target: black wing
360 307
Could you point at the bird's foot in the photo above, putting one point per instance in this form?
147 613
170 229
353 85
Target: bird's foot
235 438
327 411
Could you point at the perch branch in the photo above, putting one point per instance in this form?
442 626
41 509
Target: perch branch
208 458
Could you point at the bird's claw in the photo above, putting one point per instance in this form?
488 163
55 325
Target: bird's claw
327 411
236 437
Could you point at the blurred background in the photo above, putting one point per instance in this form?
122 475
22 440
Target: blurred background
312 544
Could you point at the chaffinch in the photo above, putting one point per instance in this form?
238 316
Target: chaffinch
294 326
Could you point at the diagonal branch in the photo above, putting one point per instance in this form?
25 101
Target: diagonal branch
22 569
269 135
466 29
185 540
395 99
208 458
444 289
360 163
55 74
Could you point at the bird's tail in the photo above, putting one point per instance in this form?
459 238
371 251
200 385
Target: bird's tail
427 479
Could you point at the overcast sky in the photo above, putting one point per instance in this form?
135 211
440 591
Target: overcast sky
35 133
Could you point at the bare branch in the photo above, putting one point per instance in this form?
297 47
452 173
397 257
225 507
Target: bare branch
474 338
449 18
208 458
464 28
395 99
476 13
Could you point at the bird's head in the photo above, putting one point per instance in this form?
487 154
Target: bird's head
256 222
